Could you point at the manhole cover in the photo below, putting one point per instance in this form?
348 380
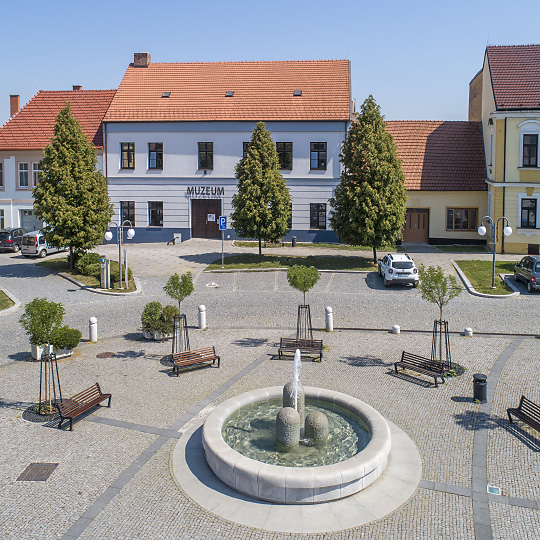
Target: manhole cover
106 355
212 285
37 472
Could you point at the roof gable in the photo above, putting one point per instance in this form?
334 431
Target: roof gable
32 127
440 156
515 75
262 91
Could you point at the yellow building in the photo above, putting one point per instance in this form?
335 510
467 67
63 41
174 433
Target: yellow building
505 97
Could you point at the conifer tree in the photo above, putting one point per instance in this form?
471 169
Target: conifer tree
262 204
71 196
369 202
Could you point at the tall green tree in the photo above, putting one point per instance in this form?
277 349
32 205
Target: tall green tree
71 196
262 204
369 202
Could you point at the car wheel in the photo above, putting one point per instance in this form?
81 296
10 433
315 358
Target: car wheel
516 277
43 253
16 248
529 288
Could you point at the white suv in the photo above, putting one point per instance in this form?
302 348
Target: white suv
398 268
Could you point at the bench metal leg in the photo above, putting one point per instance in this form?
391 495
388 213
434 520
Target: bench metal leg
509 417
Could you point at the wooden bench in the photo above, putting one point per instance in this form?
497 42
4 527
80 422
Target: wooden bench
196 356
80 403
306 346
432 368
527 411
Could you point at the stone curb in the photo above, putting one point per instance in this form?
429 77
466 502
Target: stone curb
474 292
224 271
17 305
101 291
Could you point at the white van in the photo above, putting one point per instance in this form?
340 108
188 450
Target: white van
35 245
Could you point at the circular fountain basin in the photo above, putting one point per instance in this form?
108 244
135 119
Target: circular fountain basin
296 485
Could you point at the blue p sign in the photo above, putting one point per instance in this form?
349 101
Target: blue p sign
222 223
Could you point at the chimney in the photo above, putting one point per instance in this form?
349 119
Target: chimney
77 87
14 104
141 59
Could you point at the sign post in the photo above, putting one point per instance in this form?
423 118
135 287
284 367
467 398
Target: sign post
222 228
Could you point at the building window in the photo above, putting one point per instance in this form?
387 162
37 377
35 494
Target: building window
35 174
23 175
155 213
530 150
284 152
155 155
317 216
1 176
245 148
128 155
461 219
528 213
206 155
127 211
317 151
1 219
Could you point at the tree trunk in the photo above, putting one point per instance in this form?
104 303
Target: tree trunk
374 255
71 257
260 249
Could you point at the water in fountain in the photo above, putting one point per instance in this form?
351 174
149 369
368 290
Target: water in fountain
296 377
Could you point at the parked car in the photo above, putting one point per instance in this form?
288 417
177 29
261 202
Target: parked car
11 238
528 270
35 245
398 268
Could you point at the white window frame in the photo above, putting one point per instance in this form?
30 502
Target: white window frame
2 175
525 196
2 218
22 173
528 127
35 173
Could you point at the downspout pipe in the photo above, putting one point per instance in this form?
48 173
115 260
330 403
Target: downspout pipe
504 181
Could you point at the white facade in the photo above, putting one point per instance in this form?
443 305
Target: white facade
180 180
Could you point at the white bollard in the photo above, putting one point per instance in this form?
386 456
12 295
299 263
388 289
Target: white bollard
396 329
468 332
329 319
92 329
202 317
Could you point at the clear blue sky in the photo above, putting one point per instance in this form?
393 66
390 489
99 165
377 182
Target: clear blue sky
415 57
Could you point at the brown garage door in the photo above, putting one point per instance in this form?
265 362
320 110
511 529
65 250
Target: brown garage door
416 225
204 221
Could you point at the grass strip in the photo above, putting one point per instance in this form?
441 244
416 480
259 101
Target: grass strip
5 301
249 261
313 245
479 273
462 249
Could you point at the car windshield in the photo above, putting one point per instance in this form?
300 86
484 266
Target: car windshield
4 236
402 265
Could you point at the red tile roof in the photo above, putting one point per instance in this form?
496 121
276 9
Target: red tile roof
32 127
515 75
440 156
262 91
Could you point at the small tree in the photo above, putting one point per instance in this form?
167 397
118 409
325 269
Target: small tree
262 204
369 202
437 288
179 287
302 278
71 196
40 318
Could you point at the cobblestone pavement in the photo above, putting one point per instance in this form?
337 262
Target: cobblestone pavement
113 479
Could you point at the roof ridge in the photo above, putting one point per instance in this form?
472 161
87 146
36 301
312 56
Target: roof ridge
20 109
247 62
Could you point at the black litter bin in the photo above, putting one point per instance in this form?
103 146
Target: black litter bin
294 241
480 387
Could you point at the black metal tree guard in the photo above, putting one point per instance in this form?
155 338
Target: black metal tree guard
180 341
304 330
49 380
440 333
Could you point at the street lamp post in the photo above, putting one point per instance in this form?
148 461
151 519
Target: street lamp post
119 236
507 231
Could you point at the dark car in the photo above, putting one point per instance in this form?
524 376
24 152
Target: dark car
11 238
528 270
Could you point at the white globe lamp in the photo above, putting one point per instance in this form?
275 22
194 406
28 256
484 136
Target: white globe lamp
507 231
108 236
130 233
481 230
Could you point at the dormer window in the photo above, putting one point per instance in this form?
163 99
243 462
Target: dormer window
229 93
297 93
166 94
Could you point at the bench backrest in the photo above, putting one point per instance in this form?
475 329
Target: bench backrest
196 353
291 342
420 361
85 396
530 408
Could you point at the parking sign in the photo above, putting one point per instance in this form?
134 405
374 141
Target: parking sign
222 223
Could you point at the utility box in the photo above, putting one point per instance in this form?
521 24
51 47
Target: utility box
105 273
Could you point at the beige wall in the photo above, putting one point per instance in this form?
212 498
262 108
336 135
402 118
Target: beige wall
475 98
439 201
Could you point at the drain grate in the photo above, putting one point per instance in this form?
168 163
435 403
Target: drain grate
106 355
494 490
37 472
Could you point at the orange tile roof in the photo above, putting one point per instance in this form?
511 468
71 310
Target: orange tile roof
33 126
515 75
262 91
440 156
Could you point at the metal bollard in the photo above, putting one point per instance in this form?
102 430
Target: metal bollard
202 317
293 243
329 319
92 329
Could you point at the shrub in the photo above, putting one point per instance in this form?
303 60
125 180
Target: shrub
151 316
115 275
86 264
64 337
40 318
167 318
